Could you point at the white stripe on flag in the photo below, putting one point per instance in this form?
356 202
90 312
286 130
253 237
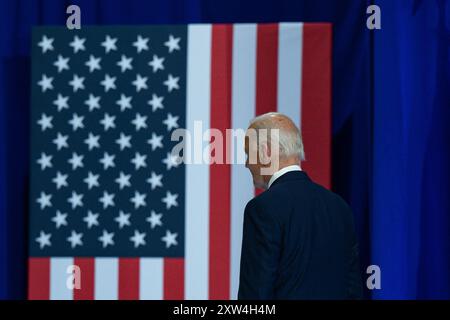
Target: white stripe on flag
106 278
59 277
151 276
289 70
243 110
197 175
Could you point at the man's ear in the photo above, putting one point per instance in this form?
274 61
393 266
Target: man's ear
264 153
269 150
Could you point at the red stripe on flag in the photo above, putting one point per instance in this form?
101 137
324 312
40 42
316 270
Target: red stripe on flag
173 279
39 278
128 278
86 291
266 70
220 173
316 101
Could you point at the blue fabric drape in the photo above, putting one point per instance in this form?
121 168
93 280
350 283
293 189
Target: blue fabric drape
411 177
390 108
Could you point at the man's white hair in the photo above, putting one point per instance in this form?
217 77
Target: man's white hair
290 139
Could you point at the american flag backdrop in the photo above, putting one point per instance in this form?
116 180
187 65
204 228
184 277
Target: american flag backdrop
107 195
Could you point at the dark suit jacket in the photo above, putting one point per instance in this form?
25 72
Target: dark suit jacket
299 242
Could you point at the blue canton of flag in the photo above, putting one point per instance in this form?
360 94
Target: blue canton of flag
103 180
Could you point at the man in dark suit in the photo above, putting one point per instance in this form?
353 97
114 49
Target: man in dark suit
299 239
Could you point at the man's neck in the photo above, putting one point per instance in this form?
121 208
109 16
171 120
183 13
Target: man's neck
283 164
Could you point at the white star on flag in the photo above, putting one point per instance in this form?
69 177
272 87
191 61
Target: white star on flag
60 219
76 122
140 83
108 121
109 44
124 141
44 239
141 44
93 63
156 63
45 161
62 63
155 141
75 200
92 180
139 161
173 43
46 44
108 83
61 141
93 102
78 44
77 83
170 239
45 122
139 122
154 219
123 180
170 200
75 239
61 102
123 219
138 200
107 199
156 102
60 180
155 180
76 161
91 219
171 161
172 83
92 141
44 200
106 238
138 238
107 161
125 63
46 83
171 122
124 102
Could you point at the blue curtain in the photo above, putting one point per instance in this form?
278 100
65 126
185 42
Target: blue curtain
411 141
390 108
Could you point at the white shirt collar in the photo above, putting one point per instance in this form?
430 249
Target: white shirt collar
282 171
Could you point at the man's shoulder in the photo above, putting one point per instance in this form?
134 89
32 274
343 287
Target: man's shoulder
297 192
261 210
270 201
268 196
